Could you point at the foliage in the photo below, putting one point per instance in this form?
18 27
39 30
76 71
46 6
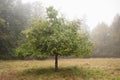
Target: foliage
4 38
14 23
15 16
56 35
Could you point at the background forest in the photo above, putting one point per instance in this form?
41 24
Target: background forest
16 16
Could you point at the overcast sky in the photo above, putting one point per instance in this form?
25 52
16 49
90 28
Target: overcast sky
93 11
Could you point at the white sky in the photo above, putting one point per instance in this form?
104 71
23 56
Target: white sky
94 11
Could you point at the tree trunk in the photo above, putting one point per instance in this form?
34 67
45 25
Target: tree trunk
56 62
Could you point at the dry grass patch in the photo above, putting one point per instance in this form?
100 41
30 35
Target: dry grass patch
70 69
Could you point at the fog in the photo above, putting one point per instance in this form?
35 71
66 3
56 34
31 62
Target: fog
99 18
93 11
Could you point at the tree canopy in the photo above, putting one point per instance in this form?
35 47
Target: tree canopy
55 36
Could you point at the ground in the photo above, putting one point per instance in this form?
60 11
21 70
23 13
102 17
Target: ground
69 69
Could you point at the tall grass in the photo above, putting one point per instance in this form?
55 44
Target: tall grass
69 69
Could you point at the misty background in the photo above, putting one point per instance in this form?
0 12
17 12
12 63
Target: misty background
17 15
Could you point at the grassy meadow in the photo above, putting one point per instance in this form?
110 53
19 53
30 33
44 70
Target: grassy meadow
69 69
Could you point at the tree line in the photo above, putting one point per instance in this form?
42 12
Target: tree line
106 39
28 30
15 16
